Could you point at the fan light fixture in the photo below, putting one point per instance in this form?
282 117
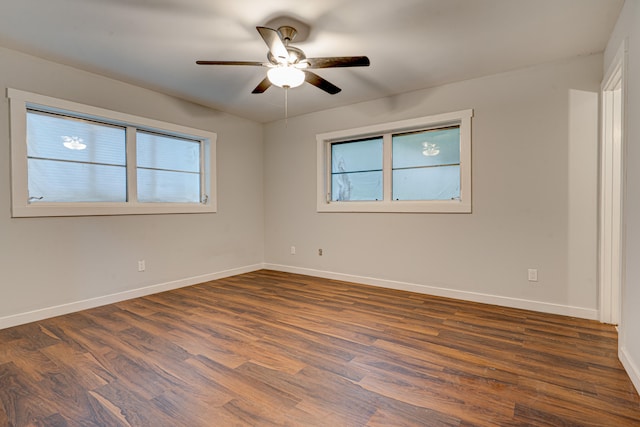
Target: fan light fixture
73 143
286 76
430 149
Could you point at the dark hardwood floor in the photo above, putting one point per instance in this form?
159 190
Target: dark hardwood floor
274 349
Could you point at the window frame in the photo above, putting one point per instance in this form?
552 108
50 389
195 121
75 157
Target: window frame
460 118
20 102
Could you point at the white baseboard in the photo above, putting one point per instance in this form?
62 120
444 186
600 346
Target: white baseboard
47 312
544 307
630 367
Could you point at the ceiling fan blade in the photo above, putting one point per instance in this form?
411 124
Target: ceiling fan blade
321 83
262 86
275 44
253 63
339 61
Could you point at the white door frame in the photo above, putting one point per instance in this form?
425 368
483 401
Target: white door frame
612 184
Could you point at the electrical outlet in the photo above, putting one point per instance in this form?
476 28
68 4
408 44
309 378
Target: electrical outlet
532 275
293 250
141 265
320 252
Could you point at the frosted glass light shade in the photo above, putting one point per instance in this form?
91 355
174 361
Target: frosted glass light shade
286 76
73 143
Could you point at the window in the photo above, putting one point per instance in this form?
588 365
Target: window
356 170
417 165
168 169
72 159
426 165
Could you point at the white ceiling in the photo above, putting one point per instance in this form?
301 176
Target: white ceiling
412 44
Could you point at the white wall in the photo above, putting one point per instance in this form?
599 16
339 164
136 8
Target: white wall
54 265
534 191
628 27
534 196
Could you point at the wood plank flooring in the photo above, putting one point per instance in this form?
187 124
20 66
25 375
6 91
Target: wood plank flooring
277 349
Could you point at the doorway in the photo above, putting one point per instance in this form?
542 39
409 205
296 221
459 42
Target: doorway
611 236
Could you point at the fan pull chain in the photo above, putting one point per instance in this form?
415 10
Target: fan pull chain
286 105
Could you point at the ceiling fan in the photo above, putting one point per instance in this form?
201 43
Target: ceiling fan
288 65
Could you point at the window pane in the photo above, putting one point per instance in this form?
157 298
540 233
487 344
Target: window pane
426 165
168 169
168 186
356 170
356 186
356 156
74 160
434 183
168 153
427 148
69 138
56 181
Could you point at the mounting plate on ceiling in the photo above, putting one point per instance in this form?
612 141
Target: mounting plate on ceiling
301 29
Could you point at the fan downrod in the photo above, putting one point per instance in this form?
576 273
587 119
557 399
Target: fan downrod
287 34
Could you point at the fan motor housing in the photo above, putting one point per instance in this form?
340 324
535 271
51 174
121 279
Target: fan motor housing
295 55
